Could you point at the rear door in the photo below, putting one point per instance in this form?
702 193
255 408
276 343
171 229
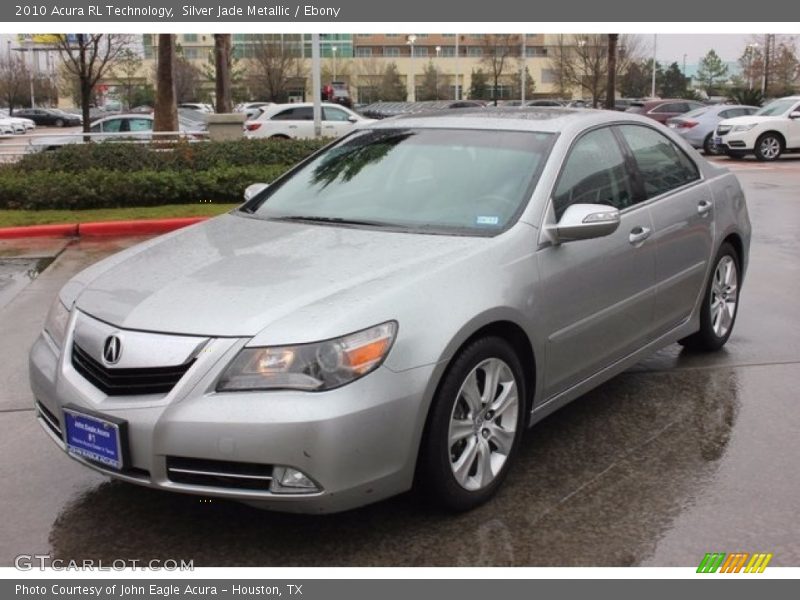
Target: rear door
598 294
295 122
336 122
681 205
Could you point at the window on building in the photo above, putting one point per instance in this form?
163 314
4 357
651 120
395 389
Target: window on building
474 51
190 38
391 51
535 51
363 51
448 51
420 51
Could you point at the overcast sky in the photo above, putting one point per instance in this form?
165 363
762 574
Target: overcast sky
672 46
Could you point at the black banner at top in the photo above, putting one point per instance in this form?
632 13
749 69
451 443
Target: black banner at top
440 11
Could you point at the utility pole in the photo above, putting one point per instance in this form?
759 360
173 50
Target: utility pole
316 84
522 73
765 80
653 82
611 85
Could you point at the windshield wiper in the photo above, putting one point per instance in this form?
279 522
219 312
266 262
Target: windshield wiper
332 220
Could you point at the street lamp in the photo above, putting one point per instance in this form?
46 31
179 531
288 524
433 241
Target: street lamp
436 78
751 48
333 49
410 41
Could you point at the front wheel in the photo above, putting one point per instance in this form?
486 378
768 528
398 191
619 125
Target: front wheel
769 147
475 426
720 303
59 123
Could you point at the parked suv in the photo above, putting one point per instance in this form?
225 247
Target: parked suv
768 133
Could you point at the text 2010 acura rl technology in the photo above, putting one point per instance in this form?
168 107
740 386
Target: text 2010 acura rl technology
396 309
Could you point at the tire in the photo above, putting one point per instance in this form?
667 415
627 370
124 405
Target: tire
735 155
769 147
709 147
279 136
716 324
59 123
468 447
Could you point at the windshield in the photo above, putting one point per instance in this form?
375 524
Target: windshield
431 180
775 108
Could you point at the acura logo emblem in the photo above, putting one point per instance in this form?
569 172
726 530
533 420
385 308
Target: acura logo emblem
112 350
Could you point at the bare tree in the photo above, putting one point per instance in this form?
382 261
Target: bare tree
500 52
562 64
14 79
275 69
89 56
223 57
187 79
166 108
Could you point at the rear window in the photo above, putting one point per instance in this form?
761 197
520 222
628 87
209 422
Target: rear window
635 108
696 112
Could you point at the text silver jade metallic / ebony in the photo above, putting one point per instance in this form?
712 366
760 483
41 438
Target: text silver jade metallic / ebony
394 310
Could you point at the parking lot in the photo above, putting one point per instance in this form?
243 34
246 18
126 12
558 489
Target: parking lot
681 455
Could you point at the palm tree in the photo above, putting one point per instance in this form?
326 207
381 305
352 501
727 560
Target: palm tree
222 64
611 91
166 109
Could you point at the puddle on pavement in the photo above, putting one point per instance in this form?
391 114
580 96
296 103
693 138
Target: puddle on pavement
16 273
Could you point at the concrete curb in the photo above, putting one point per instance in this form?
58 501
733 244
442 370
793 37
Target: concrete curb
100 229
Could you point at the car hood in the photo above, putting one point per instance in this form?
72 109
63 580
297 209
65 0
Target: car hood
747 120
234 275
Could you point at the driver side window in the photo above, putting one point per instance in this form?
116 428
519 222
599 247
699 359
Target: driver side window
594 173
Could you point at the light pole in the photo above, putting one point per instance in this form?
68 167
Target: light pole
436 78
581 45
410 41
333 50
751 49
653 81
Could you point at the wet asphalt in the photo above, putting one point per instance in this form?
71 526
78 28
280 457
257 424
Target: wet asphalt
681 455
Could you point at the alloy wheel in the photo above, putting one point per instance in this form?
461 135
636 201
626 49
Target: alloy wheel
724 295
770 147
483 424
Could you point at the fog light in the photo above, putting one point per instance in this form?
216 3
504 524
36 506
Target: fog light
286 480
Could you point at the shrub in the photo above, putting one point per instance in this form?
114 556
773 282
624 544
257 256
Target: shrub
109 175
105 188
182 156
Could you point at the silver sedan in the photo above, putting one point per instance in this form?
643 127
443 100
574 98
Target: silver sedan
395 310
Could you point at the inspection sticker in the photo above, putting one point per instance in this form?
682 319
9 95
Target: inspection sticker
483 220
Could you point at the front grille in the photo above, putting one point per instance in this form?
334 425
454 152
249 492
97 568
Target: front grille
127 382
49 418
219 473
723 129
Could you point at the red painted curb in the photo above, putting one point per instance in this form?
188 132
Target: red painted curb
99 229
144 227
65 230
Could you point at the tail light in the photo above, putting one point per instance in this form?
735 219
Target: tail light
252 126
686 124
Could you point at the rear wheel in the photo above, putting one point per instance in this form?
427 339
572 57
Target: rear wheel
769 147
279 137
475 426
709 147
59 123
720 303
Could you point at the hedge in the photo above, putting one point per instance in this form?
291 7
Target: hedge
104 188
183 156
111 175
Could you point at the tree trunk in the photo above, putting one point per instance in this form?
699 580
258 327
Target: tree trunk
222 57
166 110
611 91
85 86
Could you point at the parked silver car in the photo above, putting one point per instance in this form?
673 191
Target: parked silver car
697 126
396 308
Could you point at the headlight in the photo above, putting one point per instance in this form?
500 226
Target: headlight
740 128
56 323
311 367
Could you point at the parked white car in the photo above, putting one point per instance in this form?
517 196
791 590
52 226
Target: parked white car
7 127
19 124
297 121
198 106
769 132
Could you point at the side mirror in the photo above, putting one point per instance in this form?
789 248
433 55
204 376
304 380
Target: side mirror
352 119
795 114
253 190
584 222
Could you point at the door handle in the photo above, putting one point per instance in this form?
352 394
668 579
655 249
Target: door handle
639 234
703 207
292 126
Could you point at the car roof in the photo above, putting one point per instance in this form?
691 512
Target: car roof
525 118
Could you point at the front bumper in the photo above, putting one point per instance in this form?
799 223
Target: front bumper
740 141
358 443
